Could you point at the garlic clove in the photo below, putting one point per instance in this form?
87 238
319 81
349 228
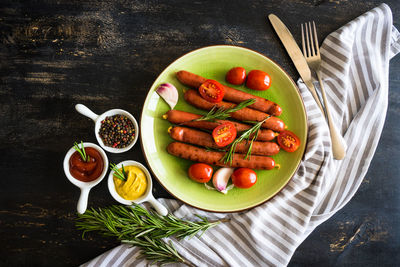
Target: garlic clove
221 178
169 93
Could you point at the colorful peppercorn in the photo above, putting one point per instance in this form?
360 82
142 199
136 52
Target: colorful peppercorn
111 133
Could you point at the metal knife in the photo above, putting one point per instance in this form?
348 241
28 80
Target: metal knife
296 55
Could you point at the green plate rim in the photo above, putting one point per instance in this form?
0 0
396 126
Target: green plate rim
294 171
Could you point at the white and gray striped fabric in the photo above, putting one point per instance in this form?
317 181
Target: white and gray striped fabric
355 72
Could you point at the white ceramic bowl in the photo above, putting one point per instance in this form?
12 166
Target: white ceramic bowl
146 197
97 120
85 186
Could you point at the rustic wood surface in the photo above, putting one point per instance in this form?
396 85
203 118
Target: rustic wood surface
106 54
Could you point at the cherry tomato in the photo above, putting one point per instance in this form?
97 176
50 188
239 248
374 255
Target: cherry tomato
244 178
236 76
258 80
200 172
288 141
212 91
224 134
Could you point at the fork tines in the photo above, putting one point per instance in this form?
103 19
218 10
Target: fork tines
311 37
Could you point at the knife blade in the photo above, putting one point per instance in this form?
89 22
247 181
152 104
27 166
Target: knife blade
296 55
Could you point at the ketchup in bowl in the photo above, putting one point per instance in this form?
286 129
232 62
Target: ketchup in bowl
86 171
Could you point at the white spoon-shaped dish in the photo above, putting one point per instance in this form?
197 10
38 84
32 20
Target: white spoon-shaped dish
97 120
85 186
146 197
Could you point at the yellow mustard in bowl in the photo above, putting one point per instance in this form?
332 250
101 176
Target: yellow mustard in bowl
135 185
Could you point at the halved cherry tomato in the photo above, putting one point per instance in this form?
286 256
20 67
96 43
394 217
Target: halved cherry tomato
288 141
212 91
244 178
200 172
224 134
236 76
258 80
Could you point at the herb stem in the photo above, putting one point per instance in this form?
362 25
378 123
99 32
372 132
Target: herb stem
81 151
246 135
117 173
136 226
221 113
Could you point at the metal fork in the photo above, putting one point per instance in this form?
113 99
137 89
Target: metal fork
313 58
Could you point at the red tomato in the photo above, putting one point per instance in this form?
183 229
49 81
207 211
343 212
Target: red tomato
224 134
288 141
236 75
258 80
244 178
200 172
212 91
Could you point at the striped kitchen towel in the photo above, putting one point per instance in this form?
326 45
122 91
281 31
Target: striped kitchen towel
355 73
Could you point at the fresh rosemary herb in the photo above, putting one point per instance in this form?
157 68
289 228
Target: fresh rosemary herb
222 113
81 151
246 135
117 173
124 172
157 250
136 226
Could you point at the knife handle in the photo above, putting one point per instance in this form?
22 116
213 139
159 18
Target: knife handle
311 88
338 143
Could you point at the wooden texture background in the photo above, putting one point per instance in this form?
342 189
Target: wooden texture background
106 54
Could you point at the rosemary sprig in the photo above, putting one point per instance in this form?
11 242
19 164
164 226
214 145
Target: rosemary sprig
158 251
136 226
246 135
222 113
81 151
117 173
124 172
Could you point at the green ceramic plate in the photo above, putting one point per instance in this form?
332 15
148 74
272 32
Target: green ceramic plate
213 62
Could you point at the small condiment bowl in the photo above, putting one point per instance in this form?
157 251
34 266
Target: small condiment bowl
146 197
97 120
85 186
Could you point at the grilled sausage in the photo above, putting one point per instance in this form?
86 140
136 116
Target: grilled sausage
194 153
200 138
231 94
244 114
185 118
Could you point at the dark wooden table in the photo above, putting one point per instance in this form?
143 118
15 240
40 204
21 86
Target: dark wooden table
106 54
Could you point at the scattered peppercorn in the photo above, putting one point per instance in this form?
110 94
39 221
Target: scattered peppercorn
111 133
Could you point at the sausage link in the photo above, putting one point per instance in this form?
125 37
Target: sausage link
194 153
200 138
231 94
244 114
192 136
190 79
185 118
